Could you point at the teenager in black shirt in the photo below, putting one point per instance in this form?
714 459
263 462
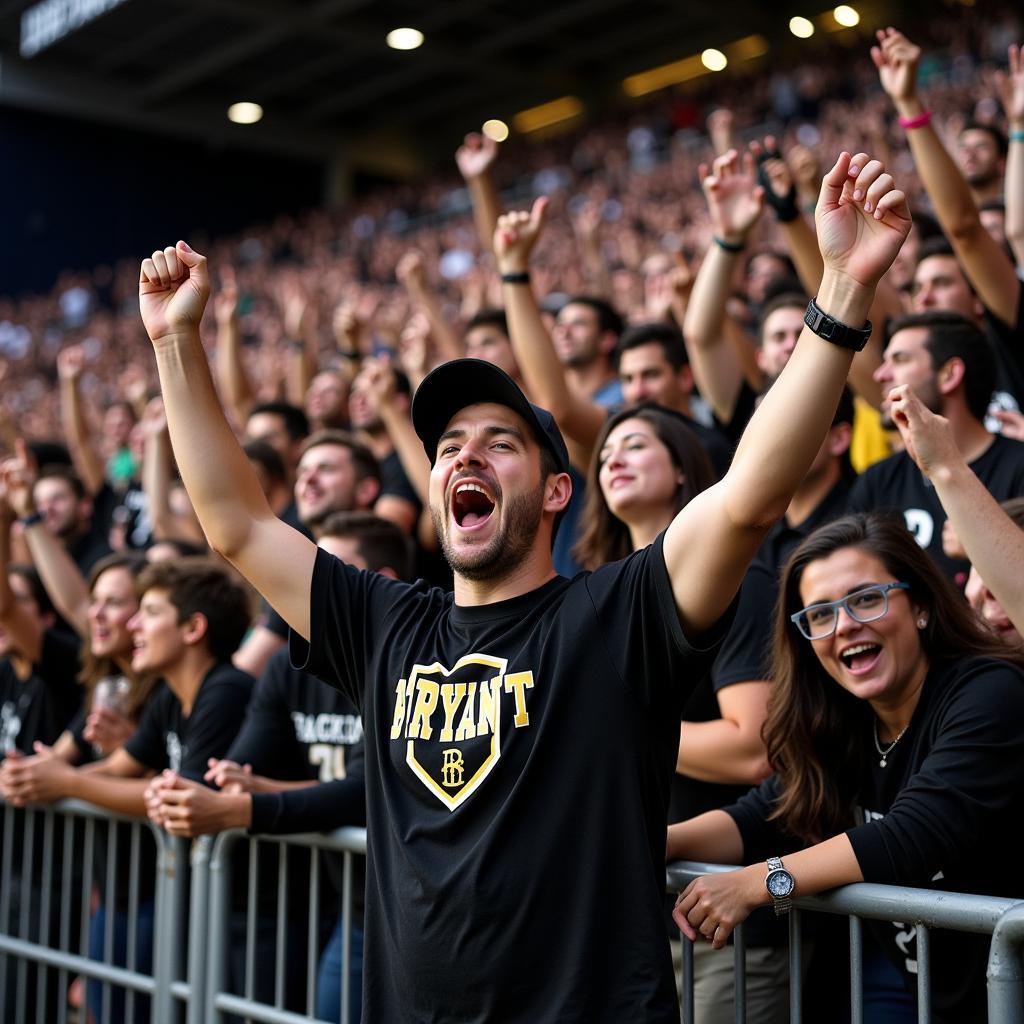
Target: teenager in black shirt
895 735
521 732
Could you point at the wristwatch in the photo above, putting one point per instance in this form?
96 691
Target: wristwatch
780 885
832 330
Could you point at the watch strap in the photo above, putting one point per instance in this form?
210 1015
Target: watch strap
827 327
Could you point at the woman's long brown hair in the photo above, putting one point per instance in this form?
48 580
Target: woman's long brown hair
604 537
816 732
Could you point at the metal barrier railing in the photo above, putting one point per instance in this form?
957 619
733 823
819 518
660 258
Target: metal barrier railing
47 911
925 908
223 863
49 860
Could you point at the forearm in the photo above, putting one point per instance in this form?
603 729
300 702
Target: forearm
721 751
63 582
786 431
486 208
317 808
715 370
231 374
993 542
803 248
219 479
712 838
123 796
87 462
410 449
301 370
448 343
984 262
1014 192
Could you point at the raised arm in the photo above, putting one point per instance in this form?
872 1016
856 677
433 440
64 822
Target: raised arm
66 586
711 541
412 273
985 263
579 418
87 461
735 202
156 479
299 317
1011 94
238 522
993 542
232 377
474 158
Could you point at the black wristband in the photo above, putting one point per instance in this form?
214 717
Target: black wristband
827 327
522 277
354 356
31 520
733 247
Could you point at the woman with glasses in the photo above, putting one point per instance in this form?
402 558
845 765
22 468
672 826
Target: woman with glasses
896 732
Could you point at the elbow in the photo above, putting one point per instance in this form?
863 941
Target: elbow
963 229
753 770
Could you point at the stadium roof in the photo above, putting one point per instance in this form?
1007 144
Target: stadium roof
321 68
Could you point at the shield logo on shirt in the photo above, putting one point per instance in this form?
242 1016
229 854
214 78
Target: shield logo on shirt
451 722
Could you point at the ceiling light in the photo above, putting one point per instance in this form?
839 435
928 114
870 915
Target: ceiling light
495 129
245 113
846 16
563 109
713 60
404 38
801 27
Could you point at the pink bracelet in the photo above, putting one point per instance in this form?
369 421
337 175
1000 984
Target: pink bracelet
920 121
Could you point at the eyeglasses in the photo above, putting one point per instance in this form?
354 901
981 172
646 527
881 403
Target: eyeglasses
818 621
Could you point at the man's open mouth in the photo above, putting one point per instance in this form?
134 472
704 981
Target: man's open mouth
471 505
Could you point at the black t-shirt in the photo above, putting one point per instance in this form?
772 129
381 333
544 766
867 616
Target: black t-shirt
714 443
395 483
937 816
896 485
166 738
297 727
88 549
518 762
742 410
1007 342
41 706
782 538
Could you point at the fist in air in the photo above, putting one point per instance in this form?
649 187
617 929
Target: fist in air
174 286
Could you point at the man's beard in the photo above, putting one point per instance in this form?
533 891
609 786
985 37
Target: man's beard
928 395
979 179
506 549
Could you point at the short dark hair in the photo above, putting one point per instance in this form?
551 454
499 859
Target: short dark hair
784 300
59 471
951 336
995 133
296 423
488 318
199 585
363 460
935 245
267 458
927 226
381 543
668 336
607 317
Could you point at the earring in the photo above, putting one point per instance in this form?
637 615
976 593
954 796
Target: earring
922 622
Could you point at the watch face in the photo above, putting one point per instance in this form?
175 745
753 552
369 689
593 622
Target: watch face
780 884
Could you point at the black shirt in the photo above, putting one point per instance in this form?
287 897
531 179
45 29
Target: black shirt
297 727
518 762
896 485
41 706
782 538
938 816
1007 342
167 738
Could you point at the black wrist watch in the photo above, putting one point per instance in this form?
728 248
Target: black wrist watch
780 885
832 330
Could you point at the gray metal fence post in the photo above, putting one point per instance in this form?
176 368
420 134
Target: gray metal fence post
1005 975
199 929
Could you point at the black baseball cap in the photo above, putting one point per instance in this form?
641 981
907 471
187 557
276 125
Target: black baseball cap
461 382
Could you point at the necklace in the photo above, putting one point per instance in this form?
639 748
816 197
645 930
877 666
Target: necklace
884 754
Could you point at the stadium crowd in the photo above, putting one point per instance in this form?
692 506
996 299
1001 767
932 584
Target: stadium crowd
656 288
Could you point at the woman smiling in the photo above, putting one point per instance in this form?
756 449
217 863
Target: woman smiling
894 731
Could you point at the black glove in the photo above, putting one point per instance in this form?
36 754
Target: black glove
785 205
